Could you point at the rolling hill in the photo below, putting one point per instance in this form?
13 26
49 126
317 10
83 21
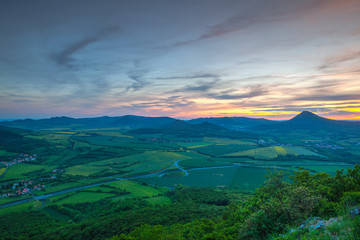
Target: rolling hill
184 129
12 140
128 121
311 123
234 123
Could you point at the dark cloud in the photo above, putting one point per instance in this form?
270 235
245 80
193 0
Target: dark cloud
64 58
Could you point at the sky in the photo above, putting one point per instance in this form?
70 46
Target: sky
185 59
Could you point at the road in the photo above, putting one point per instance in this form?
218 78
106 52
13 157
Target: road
53 194
115 178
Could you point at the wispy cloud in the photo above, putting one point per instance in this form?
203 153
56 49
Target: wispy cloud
339 59
195 76
200 86
64 57
264 13
250 92
330 97
139 81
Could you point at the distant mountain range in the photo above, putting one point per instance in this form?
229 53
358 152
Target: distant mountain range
185 129
305 121
127 121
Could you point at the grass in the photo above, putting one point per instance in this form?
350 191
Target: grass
80 197
194 144
4 153
84 170
219 150
244 178
201 162
20 170
103 140
273 152
2 170
142 163
324 168
136 189
21 207
78 183
260 153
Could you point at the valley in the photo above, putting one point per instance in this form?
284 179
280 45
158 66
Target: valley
52 169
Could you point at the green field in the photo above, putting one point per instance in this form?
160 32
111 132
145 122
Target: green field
93 156
201 162
141 163
103 140
80 197
136 189
84 170
2 170
236 177
194 144
22 207
273 152
21 170
219 150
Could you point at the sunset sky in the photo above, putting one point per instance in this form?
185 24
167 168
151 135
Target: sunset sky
184 59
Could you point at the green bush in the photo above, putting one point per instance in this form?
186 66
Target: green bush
350 199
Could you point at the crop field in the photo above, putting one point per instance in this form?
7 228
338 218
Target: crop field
19 171
219 150
150 146
192 154
136 189
103 140
84 170
305 152
194 144
262 153
240 177
201 162
225 141
266 153
4 153
80 197
143 162
21 207
78 183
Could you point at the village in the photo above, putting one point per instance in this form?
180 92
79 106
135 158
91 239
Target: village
265 143
163 140
19 159
24 187
324 145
